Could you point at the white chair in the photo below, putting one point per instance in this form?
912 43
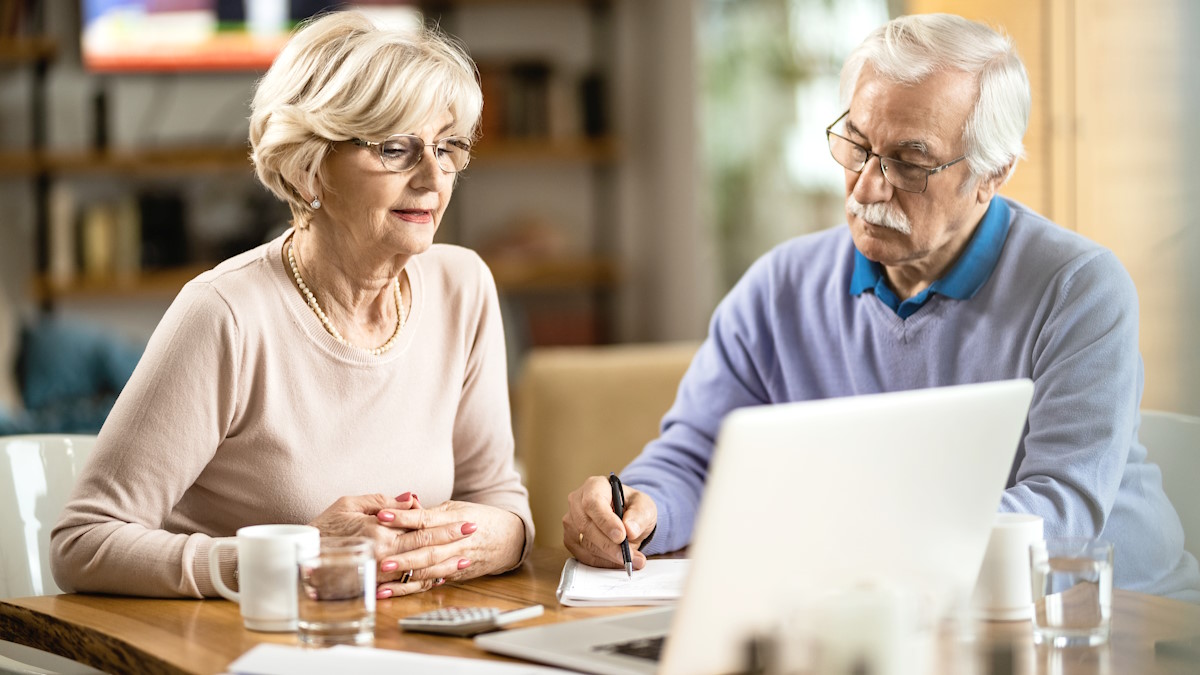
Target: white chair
36 475
1173 443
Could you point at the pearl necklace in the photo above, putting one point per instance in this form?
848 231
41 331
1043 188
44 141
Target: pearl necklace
316 308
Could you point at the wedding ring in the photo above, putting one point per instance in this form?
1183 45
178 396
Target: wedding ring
407 575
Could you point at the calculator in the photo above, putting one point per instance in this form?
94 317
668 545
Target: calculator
466 621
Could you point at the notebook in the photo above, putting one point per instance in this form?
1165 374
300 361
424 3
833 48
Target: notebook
660 582
897 489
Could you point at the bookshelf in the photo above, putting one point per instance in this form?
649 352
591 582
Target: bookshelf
549 160
26 50
583 275
200 158
519 276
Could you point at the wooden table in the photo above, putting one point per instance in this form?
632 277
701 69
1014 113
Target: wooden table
120 634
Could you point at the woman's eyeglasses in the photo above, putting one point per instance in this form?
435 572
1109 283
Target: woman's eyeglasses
404 151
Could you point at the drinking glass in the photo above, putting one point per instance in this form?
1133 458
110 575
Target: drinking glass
337 593
1072 591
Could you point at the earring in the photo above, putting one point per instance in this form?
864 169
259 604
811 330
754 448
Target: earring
315 203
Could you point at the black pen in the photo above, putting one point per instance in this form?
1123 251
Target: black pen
618 495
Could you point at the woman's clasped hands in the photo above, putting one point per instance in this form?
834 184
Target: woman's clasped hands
417 548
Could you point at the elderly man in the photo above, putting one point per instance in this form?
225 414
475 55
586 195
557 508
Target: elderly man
935 281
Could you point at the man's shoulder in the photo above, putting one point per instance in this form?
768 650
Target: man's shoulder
1038 247
809 265
1034 233
824 250
822 241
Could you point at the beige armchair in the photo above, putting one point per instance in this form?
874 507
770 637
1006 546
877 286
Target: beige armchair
583 411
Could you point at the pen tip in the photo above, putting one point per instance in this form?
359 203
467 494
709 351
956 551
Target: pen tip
629 570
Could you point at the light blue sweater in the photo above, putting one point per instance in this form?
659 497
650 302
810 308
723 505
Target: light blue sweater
1056 308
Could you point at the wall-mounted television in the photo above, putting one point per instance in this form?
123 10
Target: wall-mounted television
120 36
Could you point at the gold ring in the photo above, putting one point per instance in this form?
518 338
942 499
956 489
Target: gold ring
407 575
581 537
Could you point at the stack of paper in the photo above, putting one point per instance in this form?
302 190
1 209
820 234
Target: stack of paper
271 659
660 582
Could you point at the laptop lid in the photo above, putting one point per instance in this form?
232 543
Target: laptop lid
896 489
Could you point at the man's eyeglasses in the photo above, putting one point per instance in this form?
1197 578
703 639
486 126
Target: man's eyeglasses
902 175
403 151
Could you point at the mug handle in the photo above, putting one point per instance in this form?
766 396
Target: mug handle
214 570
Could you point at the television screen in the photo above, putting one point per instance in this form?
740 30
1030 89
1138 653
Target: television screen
213 35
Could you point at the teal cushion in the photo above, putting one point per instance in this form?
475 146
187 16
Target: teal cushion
71 373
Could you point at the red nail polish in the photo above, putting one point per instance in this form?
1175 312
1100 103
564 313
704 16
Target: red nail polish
415 498
404 497
389 566
463 563
386 516
383 594
468 528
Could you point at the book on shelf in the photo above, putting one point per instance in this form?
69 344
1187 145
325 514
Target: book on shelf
107 239
534 99
61 263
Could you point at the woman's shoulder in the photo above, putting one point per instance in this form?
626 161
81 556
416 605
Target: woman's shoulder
453 256
248 263
246 279
454 267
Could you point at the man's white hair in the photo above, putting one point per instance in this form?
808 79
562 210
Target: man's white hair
909 49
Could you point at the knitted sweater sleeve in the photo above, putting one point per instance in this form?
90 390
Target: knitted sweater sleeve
1087 380
731 370
162 432
483 439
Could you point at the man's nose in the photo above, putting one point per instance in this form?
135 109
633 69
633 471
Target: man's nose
872 187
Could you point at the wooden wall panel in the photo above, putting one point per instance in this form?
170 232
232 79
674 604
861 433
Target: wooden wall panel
1106 154
1024 21
1131 186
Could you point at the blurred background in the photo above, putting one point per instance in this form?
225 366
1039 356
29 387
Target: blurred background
636 157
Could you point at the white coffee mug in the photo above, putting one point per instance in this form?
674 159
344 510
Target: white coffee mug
1003 591
267 572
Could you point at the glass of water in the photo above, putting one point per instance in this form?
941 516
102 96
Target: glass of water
1072 591
336 603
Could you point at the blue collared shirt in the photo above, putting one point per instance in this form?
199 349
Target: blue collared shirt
963 280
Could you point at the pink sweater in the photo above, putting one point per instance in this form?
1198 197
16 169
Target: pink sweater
244 410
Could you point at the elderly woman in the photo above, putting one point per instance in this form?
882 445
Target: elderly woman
350 356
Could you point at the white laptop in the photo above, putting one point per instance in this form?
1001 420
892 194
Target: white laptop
898 489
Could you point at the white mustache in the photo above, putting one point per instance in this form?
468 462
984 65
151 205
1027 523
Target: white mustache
883 214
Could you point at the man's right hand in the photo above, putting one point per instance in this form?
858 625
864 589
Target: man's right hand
593 533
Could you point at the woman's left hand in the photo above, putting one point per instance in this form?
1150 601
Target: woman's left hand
496 540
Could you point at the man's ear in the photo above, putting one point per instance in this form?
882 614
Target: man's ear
989 186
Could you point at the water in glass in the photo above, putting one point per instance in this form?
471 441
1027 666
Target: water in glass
1072 589
337 593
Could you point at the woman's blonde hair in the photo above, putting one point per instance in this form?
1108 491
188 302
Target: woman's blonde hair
342 77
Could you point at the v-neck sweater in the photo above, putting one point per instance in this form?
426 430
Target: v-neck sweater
1057 309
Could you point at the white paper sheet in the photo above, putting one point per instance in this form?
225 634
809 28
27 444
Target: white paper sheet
272 659
660 582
